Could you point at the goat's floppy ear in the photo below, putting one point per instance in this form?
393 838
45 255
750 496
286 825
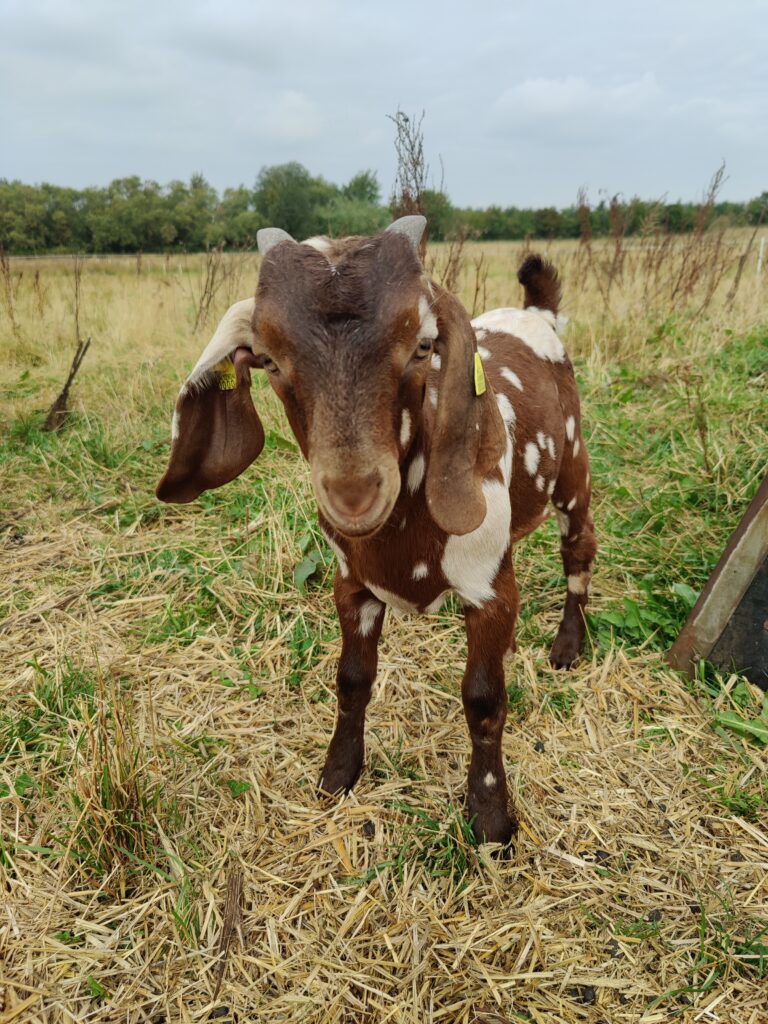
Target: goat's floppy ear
217 432
469 435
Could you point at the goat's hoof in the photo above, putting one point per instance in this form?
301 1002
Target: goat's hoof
493 825
337 779
565 650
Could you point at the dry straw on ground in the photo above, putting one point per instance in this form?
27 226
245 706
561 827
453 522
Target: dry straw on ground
168 698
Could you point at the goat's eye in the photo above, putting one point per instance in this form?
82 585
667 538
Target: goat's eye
268 364
423 349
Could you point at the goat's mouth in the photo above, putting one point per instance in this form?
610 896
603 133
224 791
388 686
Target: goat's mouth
357 504
358 527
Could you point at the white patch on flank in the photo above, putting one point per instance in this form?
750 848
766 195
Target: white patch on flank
506 409
542 441
369 612
175 424
490 780
578 584
571 505
557 321
340 556
576 447
551 447
505 463
420 570
405 428
512 377
432 394
539 482
416 473
322 245
436 361
533 327
570 428
470 562
531 458
428 324
485 353
551 487
564 521
398 604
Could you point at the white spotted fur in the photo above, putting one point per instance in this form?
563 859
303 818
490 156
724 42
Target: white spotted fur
470 562
532 326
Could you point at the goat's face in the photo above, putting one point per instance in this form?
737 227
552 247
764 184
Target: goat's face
345 334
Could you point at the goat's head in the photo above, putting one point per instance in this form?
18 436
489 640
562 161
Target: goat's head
345 332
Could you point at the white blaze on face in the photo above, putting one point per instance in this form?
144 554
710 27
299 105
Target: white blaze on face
470 562
531 326
405 429
427 321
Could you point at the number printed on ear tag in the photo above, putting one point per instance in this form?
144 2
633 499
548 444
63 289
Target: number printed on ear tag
479 375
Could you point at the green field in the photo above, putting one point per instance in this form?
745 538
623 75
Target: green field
167 688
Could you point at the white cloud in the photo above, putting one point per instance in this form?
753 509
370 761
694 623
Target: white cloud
293 118
573 105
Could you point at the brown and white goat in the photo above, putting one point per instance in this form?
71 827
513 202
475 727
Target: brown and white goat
434 445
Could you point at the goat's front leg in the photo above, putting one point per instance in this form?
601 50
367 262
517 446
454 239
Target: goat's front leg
361 616
490 632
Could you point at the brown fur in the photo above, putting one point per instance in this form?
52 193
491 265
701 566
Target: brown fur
341 333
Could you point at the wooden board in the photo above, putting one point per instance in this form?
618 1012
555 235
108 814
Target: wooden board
729 623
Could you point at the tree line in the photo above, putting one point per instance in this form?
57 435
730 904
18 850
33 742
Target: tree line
132 215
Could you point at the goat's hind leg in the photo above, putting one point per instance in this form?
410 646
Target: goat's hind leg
361 616
577 547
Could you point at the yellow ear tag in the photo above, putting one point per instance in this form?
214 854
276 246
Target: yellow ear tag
479 375
225 375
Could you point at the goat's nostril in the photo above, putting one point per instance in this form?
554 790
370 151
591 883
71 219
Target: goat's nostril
352 497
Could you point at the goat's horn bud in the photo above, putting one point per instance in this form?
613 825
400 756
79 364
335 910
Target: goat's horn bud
412 227
266 238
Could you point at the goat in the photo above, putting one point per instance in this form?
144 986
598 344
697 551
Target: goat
434 444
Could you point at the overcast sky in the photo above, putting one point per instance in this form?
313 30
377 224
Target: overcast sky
525 101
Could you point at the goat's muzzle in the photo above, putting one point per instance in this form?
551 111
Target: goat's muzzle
356 504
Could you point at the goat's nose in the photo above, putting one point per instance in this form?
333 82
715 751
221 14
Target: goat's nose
352 497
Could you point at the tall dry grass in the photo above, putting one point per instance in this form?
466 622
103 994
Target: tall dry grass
167 691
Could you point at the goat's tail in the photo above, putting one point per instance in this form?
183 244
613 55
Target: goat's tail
541 283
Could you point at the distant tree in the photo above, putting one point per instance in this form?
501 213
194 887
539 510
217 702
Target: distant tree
345 216
363 187
547 222
440 214
288 197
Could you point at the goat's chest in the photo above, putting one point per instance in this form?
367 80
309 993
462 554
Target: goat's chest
411 565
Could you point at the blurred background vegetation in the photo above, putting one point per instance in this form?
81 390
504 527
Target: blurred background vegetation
133 215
